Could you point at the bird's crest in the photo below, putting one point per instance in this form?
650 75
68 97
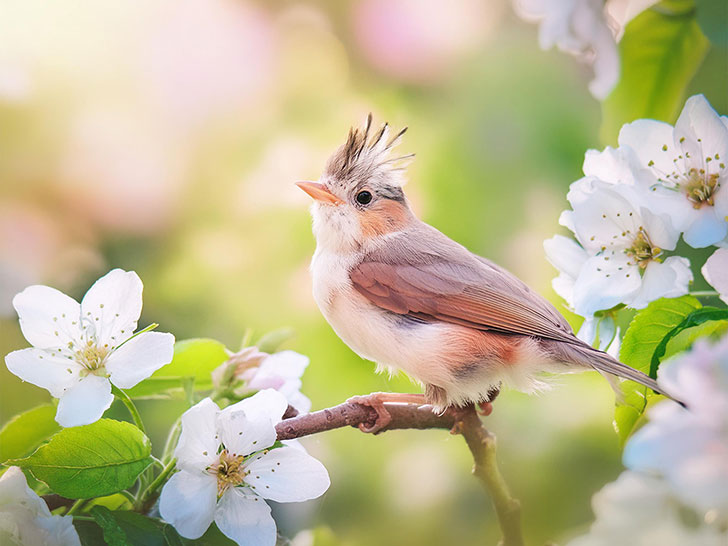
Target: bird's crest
366 155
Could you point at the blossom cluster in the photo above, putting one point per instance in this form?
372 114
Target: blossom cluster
676 488
633 204
586 29
228 461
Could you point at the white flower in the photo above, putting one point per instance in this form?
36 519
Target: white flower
685 167
689 447
568 257
641 510
80 350
625 242
228 467
281 371
25 519
715 272
581 28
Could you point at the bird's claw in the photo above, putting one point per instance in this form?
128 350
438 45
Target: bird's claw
486 408
377 404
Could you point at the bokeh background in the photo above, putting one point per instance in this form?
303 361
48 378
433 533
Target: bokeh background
164 137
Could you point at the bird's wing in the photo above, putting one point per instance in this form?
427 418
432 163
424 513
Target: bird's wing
424 274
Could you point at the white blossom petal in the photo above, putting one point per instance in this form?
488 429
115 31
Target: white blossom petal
715 271
198 442
700 130
653 142
85 402
602 284
287 364
188 502
565 254
603 328
139 358
14 489
296 398
113 305
44 369
245 518
287 474
663 280
48 318
706 229
266 404
243 436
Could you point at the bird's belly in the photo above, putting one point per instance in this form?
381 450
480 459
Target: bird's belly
394 342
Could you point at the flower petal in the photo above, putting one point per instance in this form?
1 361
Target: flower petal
48 318
44 369
241 435
287 474
565 254
286 364
85 402
14 490
715 272
653 142
245 518
603 284
706 229
264 404
188 502
139 358
113 305
701 132
660 280
198 442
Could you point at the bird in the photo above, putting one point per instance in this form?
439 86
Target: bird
402 294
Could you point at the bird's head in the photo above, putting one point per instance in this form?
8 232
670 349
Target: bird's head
359 197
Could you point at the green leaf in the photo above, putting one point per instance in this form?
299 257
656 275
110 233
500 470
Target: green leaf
661 50
122 528
156 387
650 326
25 432
272 341
712 329
712 17
91 461
695 318
192 358
642 338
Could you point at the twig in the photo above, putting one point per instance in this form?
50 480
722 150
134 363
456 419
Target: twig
464 421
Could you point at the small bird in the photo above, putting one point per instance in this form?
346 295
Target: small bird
402 294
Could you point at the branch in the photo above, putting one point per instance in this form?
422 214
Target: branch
464 421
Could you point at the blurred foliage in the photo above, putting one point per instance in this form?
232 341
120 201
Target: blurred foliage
165 138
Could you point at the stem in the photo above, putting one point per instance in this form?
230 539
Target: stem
83 518
172 438
149 496
464 421
76 507
704 293
128 496
121 395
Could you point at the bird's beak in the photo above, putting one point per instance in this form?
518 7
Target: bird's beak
319 192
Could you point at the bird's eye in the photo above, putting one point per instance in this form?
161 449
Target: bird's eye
363 197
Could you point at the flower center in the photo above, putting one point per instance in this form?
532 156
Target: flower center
92 357
229 471
642 250
700 186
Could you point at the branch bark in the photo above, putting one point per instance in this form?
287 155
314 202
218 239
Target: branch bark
463 421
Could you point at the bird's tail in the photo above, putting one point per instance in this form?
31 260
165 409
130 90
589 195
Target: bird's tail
584 354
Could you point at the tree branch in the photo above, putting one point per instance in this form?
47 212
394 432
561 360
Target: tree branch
463 421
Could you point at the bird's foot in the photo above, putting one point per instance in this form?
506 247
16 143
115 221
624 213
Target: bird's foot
377 400
486 406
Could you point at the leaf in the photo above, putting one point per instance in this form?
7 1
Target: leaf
272 341
650 326
195 358
155 387
122 527
25 432
91 461
712 17
642 338
695 318
661 50
712 329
